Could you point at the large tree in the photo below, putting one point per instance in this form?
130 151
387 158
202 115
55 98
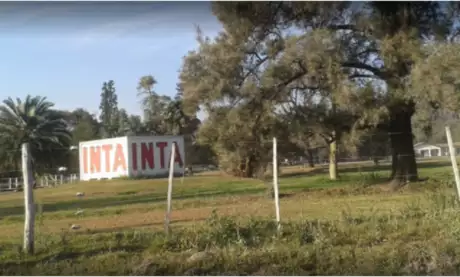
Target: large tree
258 77
84 126
313 100
436 81
383 41
220 79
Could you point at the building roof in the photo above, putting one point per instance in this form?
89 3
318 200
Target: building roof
424 144
456 144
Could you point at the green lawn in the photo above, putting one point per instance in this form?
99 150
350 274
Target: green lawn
325 224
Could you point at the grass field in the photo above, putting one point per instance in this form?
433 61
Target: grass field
224 226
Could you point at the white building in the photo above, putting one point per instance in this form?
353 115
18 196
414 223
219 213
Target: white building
130 156
434 150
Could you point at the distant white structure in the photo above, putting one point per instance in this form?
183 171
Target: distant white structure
130 156
434 150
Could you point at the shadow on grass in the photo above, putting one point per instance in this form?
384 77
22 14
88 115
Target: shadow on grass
132 227
21 267
121 200
151 198
319 183
124 200
359 168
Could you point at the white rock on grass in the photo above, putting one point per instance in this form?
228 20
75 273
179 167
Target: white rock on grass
75 227
200 256
80 194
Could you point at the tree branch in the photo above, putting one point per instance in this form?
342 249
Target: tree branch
376 71
357 75
338 27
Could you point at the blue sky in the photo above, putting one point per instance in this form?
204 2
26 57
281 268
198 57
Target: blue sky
66 50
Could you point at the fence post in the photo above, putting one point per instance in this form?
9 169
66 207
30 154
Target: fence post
453 159
10 183
62 179
28 200
170 183
275 183
16 182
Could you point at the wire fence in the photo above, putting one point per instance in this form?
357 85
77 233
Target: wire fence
350 164
17 183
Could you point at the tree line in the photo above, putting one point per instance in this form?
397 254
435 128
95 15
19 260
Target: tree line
54 134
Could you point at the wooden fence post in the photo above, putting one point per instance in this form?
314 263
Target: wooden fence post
275 183
29 221
170 184
453 159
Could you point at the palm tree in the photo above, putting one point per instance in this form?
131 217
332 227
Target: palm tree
33 121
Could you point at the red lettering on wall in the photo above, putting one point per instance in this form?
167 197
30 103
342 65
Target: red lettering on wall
95 159
142 157
147 155
119 158
162 146
134 155
177 158
85 159
107 148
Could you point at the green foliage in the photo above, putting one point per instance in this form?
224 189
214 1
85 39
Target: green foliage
153 105
109 116
33 121
336 71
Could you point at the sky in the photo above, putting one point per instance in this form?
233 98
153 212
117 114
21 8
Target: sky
66 50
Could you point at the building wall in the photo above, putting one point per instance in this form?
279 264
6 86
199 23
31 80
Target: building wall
445 151
434 151
130 156
97 158
429 151
150 155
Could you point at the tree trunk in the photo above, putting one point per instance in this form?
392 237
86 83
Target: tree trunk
394 158
404 166
333 160
249 168
376 161
310 158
